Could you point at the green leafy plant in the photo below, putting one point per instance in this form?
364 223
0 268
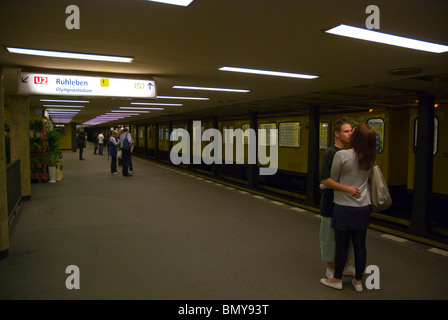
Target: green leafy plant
34 146
52 157
36 125
53 153
39 163
33 162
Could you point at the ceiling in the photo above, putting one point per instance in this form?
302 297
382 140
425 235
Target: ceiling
187 45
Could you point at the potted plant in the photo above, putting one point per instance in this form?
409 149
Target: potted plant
39 163
33 163
35 127
52 154
52 157
34 144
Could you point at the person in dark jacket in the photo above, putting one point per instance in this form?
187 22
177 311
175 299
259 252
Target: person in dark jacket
126 143
81 142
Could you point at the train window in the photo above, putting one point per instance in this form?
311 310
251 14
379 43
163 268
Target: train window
167 134
245 127
141 132
177 134
226 135
289 134
436 134
196 133
267 137
323 136
161 134
378 125
202 133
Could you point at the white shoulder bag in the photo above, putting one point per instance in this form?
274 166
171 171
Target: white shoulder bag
379 192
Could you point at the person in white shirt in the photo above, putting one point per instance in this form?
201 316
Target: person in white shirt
101 143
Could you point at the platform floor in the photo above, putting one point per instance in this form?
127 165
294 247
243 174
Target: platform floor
164 234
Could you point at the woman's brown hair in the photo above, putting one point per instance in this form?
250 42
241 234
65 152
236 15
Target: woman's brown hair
363 141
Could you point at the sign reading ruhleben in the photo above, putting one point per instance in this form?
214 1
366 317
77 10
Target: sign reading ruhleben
69 85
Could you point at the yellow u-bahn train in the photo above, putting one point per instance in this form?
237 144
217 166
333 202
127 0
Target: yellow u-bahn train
396 129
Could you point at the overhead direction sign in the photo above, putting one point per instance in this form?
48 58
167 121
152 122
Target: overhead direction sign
72 85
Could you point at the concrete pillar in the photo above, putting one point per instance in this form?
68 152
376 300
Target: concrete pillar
215 168
170 143
4 227
421 210
73 134
252 172
20 139
312 179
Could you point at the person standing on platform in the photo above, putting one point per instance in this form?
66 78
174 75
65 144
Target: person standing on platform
81 142
101 143
120 159
95 142
131 167
125 146
113 143
349 179
342 131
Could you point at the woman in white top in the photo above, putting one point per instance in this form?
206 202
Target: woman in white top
349 178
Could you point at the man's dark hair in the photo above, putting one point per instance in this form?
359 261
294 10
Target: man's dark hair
338 124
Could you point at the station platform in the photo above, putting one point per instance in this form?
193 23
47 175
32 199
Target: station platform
166 234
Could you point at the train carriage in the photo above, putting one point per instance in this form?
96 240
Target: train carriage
396 135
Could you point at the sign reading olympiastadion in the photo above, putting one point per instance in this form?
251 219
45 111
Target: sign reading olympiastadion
71 85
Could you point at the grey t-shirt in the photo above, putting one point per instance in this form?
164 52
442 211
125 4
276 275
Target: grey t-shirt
345 170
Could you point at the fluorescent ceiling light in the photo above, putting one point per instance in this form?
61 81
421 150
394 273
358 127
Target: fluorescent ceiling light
69 101
127 111
158 104
64 110
269 73
142 108
375 36
122 114
211 89
183 3
181 98
104 117
61 120
69 55
61 106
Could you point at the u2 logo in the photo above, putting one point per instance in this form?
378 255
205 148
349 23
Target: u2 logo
40 80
